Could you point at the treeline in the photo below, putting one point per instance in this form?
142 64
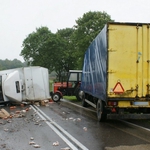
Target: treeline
10 64
64 50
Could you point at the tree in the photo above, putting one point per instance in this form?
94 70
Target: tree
86 30
68 57
64 50
34 47
43 48
10 64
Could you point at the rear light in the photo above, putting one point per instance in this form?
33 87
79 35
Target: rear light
113 110
112 103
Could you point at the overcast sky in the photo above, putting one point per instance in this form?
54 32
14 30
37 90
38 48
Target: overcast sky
18 18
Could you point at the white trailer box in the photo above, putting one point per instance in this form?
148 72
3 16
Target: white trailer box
24 84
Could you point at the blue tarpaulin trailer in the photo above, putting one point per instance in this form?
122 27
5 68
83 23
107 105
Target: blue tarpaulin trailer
116 74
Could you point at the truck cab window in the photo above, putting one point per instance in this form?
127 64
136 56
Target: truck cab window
17 87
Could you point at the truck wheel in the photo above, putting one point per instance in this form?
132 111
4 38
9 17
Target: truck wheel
56 97
101 112
77 94
84 103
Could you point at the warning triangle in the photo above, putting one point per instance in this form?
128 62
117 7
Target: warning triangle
118 88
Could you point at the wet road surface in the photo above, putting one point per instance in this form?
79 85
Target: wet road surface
108 135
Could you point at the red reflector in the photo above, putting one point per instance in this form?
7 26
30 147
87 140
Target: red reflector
112 103
113 110
118 89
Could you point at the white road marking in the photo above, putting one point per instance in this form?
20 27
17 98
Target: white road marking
135 125
56 128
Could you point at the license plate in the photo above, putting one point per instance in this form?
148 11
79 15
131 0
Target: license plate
140 103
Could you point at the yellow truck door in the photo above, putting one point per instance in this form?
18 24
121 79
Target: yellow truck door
128 60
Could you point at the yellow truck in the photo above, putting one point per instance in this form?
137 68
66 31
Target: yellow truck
116 70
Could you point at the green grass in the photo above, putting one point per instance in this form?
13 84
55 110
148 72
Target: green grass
50 84
71 98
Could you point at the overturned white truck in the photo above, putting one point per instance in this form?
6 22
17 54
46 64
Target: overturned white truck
24 84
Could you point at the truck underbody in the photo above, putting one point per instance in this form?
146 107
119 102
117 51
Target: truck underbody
115 106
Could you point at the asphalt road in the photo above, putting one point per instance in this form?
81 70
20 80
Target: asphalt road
79 123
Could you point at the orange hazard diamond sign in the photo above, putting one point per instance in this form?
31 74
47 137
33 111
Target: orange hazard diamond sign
118 88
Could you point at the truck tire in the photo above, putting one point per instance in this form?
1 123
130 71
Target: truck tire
84 103
56 97
77 91
101 112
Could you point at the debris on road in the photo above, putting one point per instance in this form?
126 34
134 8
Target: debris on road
4 114
70 118
24 111
3 145
56 143
73 119
78 119
31 142
37 103
13 107
85 128
22 105
36 146
6 130
44 102
31 138
9 121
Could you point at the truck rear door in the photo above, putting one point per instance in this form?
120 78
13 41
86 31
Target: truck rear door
36 83
128 60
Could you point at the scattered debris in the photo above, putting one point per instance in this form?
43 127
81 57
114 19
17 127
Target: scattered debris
6 129
36 123
36 146
51 101
78 119
13 107
85 128
37 103
10 116
27 109
73 119
1 122
56 143
3 145
18 112
4 114
66 148
9 121
31 138
31 142
24 111
44 102
22 105
5 118
70 118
